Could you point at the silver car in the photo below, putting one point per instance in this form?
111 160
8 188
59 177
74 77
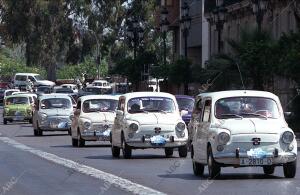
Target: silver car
52 113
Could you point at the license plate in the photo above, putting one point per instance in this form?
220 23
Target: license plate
256 161
18 118
158 140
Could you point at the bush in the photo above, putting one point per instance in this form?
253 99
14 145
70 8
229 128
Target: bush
9 67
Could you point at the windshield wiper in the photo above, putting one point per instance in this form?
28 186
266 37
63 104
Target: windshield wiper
255 114
157 110
232 115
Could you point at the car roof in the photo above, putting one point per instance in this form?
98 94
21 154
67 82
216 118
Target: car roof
238 93
54 95
88 97
27 74
16 90
17 95
147 94
102 81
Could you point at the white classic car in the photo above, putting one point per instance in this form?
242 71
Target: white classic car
52 113
93 118
241 128
148 120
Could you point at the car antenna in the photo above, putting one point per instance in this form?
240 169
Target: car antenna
241 76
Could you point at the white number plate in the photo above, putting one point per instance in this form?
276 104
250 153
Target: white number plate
256 161
18 118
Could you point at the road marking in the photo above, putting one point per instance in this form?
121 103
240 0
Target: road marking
119 182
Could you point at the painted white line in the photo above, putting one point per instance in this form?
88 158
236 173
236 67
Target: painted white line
119 182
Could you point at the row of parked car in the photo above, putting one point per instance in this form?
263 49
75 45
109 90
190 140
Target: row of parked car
229 128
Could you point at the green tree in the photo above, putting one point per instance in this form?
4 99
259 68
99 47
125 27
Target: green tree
255 55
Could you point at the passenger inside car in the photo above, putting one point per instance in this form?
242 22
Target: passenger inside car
134 108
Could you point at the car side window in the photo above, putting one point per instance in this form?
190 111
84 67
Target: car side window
197 109
31 78
121 104
206 111
78 107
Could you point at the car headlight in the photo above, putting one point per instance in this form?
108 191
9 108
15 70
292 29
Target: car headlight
287 137
223 138
87 125
43 116
180 127
133 127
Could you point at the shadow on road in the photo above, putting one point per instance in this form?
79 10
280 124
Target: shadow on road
49 135
225 176
87 146
109 157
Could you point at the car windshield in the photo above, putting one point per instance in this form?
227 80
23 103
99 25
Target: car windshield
96 90
185 104
63 90
150 104
249 107
99 105
38 77
43 89
53 103
17 100
9 93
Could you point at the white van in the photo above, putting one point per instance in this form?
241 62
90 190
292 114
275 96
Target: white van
21 79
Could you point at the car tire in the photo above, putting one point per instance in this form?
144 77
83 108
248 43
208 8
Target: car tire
213 168
5 121
74 142
269 170
115 151
35 132
169 152
198 168
80 141
289 169
127 151
39 130
182 151
69 131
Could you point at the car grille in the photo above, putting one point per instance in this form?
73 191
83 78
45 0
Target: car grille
101 127
16 113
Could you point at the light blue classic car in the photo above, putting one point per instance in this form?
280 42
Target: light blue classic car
52 113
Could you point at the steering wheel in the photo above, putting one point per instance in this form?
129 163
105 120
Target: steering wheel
266 113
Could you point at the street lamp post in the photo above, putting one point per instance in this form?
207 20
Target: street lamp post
219 15
185 27
259 8
135 32
164 29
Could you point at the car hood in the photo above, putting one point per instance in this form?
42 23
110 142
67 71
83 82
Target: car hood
45 82
18 107
57 112
100 117
154 118
251 125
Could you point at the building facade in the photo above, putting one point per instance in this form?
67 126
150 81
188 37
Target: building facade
279 17
194 40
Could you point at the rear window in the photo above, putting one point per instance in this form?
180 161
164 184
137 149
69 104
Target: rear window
17 100
21 78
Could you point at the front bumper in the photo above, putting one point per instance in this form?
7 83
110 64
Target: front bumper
95 135
143 142
18 118
234 158
55 125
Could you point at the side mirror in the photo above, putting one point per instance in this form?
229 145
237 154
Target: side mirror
288 115
184 112
119 113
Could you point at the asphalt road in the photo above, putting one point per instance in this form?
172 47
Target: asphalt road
39 165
